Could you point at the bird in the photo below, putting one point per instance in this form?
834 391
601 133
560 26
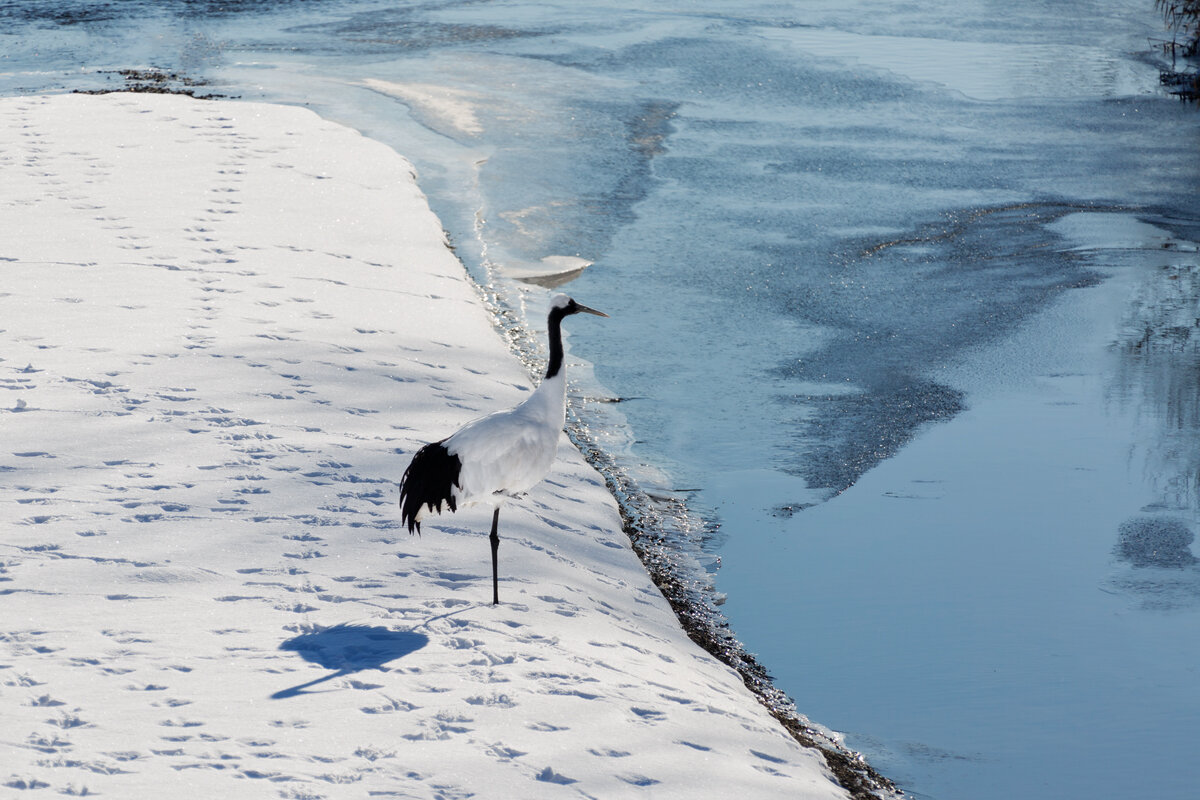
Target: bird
497 457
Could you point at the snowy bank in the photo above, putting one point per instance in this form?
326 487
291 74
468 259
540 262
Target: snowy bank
224 328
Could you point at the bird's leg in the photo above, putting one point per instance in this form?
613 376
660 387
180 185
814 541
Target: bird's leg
495 538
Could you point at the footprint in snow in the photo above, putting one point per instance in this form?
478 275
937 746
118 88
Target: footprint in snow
648 714
548 775
389 706
505 753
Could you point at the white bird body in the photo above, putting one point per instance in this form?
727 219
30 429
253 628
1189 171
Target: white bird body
502 455
509 452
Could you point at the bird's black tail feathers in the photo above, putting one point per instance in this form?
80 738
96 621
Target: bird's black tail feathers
429 481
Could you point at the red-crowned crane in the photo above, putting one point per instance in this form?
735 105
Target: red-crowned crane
499 456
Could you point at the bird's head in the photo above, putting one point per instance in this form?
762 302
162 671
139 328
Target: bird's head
567 306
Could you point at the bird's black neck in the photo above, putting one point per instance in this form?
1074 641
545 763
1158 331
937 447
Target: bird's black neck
554 328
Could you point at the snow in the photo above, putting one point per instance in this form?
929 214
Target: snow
449 110
225 329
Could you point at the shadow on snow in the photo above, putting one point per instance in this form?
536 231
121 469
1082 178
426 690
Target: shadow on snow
347 649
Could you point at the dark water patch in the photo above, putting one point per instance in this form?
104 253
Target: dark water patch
853 433
897 310
219 8
68 13
406 29
1155 542
94 12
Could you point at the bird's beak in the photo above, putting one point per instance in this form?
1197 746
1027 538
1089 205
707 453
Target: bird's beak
586 310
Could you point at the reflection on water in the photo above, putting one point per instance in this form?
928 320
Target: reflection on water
1159 378
898 311
1155 542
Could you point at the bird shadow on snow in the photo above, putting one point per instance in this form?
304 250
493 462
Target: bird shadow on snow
347 649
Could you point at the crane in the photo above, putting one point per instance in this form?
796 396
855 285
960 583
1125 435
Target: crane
500 456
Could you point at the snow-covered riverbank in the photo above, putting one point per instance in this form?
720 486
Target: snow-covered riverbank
225 327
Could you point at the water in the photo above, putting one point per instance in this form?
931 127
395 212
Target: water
901 298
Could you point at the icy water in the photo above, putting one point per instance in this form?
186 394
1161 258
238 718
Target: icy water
904 304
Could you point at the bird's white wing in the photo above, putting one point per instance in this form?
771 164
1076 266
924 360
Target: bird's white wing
506 451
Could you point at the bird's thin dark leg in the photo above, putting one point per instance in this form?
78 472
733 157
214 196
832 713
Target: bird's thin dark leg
495 557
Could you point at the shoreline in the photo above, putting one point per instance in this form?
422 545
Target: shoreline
241 340
657 546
